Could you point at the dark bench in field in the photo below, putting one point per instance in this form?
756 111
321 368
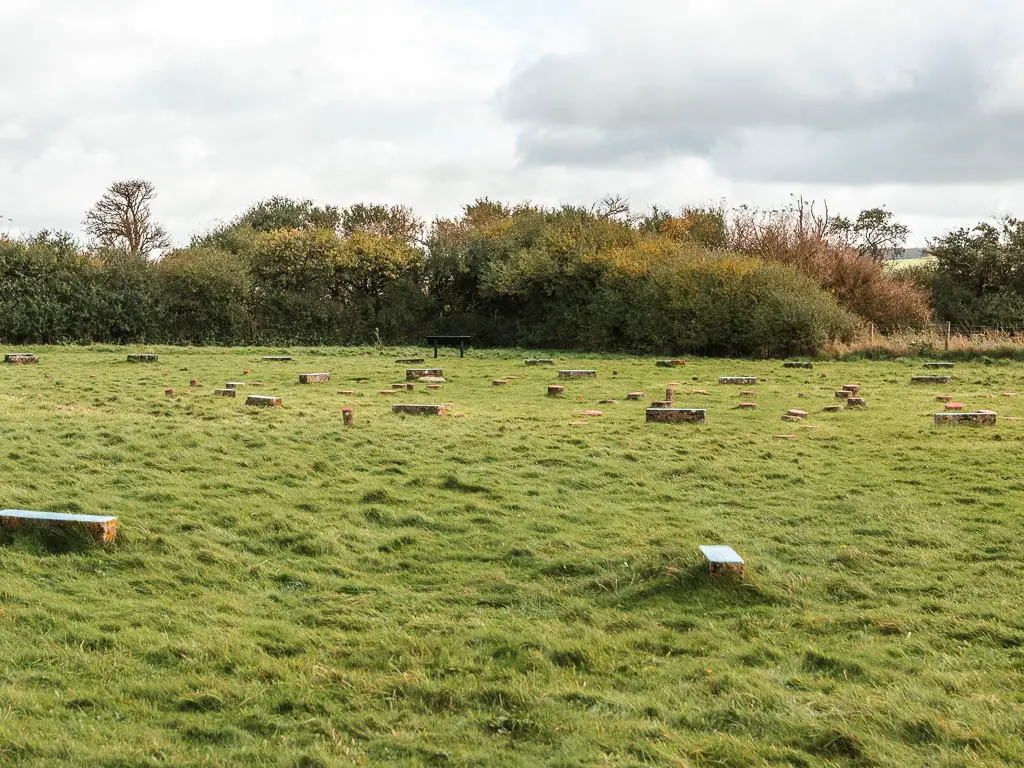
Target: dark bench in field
449 341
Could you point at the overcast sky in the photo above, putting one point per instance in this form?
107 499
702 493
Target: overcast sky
917 105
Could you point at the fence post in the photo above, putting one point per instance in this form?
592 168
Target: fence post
948 326
871 333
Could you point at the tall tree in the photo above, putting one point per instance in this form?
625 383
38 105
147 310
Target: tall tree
122 219
875 234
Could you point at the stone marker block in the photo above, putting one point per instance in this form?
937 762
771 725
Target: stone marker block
554 390
257 384
797 364
930 379
346 392
433 386
169 391
661 404
856 402
789 418
593 413
21 358
939 365
832 408
399 385
410 386
784 437
635 396
747 406
737 380
194 383
348 416
499 382
419 410
954 406
143 358
944 398
670 394
411 374
670 363
235 384
796 412
843 394
314 378
1009 394
676 414
386 391
225 392
539 361
277 359
102 528
722 560
607 402
748 393
411 361
264 401
977 419
572 374
853 389
432 379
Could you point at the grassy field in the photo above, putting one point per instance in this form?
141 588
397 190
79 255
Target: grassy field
514 583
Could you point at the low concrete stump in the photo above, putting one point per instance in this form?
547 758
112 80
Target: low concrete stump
433 387
954 406
539 361
314 378
554 390
853 389
235 384
499 382
277 359
386 391
676 414
411 374
797 364
737 380
410 386
194 383
791 419
635 396
856 402
346 392
225 392
102 528
670 394
722 560
797 413
670 363
977 419
143 358
577 374
263 401
748 393
348 416
930 379
432 379
411 361
21 358
747 406
661 404
832 408
843 394
944 398
593 413
419 410
939 365
169 391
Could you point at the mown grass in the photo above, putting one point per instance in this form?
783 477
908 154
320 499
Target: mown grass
504 585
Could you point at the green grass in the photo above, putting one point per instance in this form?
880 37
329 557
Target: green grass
503 586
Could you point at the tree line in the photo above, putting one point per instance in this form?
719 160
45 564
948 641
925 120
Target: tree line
603 277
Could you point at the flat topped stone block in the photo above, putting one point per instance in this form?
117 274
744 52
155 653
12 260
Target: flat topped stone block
954 406
264 401
539 361
277 359
944 398
635 396
314 378
577 374
722 559
21 358
499 382
797 364
677 414
748 393
843 394
661 404
930 379
747 406
856 402
143 358
235 384
976 419
939 365
832 408
386 391
103 528
853 389
225 392
410 361
737 379
796 412
419 410
411 374
555 389
670 363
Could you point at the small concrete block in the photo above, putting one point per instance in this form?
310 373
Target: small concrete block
194 383
433 386
944 398
539 361
722 560
169 391
797 413
747 406
346 392
635 396
853 389
787 417
103 528
386 391
856 402
977 419
419 410
607 402
554 390
737 380
143 358
843 394
930 379
1009 394
21 358
348 416
573 374
939 365
410 361
670 363
257 384
670 394
593 413
277 359
499 382
235 384
432 379
784 437
264 401
797 364
314 378
832 408
954 406
225 392
411 374
748 393
661 404
410 386
676 414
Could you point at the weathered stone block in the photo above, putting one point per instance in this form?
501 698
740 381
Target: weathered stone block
263 401
944 398
977 419
169 391
593 413
747 406
225 392
748 393
797 413
554 390
635 396
722 560
348 416
346 392
676 414
856 402
797 364
277 359
21 358
853 389
419 410
235 384
737 380
102 528
670 394
661 404
314 378
939 365
574 374
954 406
433 387
411 361
143 358
832 408
499 382
930 379
539 361
194 383
411 374
670 363
386 391
843 394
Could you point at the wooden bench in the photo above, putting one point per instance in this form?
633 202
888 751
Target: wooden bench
450 341
722 559
102 528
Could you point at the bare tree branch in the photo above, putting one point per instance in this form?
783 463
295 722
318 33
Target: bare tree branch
122 219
